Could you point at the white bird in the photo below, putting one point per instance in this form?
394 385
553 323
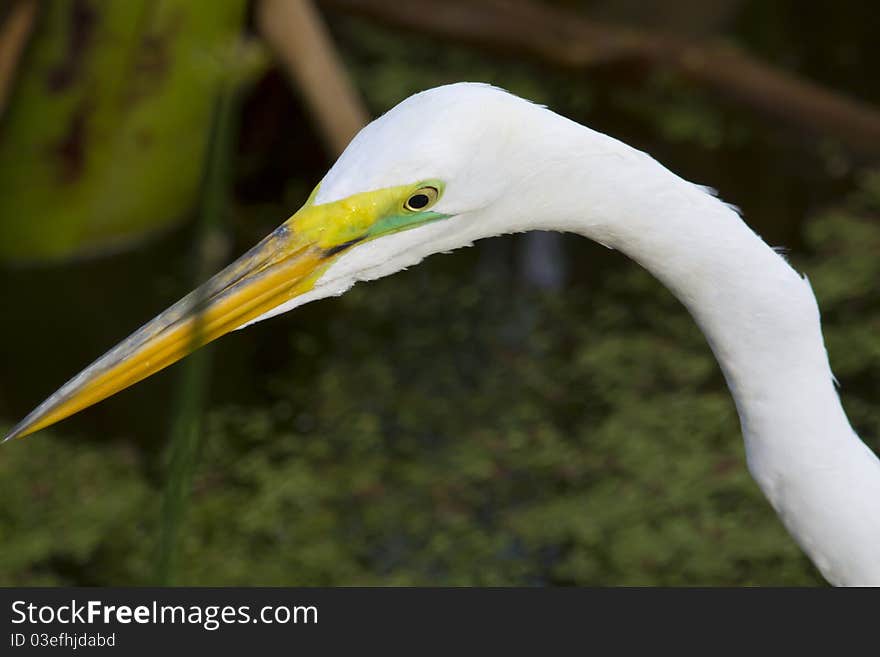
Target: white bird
462 162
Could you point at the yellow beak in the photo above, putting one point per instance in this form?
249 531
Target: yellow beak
284 265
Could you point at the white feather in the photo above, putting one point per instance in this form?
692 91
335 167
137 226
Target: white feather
510 165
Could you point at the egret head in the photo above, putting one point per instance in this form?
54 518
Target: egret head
428 176
433 174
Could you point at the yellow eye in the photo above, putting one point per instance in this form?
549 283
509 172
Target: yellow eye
421 199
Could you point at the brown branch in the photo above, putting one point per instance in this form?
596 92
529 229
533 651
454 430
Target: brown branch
14 32
572 41
296 33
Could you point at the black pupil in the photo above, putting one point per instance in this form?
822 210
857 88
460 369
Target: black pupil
418 201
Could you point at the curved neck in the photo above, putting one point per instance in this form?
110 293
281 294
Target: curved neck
762 322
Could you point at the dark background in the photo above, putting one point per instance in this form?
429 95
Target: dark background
534 410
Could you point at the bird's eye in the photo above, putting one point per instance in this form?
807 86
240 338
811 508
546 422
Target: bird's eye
421 199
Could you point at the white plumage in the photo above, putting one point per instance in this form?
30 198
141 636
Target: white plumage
501 165
510 166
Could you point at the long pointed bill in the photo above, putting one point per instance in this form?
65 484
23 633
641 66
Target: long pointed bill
284 265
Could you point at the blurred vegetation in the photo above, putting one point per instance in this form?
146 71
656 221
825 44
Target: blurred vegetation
448 425
112 96
599 448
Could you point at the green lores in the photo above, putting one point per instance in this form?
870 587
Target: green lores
365 216
282 267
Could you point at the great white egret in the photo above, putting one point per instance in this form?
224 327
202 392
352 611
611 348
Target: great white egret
466 161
